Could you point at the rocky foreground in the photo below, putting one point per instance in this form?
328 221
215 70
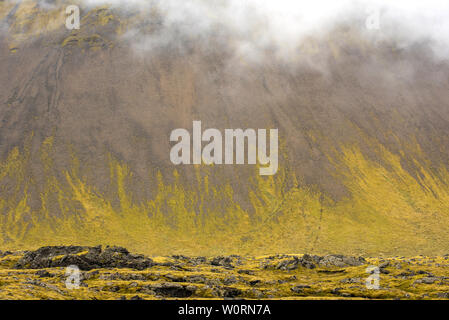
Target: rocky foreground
115 273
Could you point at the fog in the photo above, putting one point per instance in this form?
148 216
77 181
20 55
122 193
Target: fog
252 26
283 24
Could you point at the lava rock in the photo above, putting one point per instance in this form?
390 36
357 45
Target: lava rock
305 261
174 290
85 258
299 288
44 274
427 280
337 260
222 261
229 292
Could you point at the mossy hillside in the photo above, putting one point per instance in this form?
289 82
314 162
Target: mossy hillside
389 212
27 20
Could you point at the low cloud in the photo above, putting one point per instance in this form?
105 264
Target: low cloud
283 24
257 25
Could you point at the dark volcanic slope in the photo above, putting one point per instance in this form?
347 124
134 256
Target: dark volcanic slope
363 136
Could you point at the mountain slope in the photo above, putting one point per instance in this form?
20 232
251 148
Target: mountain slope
86 117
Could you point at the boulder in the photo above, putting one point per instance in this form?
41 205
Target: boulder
85 258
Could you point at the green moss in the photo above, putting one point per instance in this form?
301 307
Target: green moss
211 281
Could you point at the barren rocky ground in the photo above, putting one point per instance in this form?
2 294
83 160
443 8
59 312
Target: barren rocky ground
115 273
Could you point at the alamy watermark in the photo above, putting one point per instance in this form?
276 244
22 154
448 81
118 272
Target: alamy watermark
73 19
255 142
373 280
73 277
372 22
